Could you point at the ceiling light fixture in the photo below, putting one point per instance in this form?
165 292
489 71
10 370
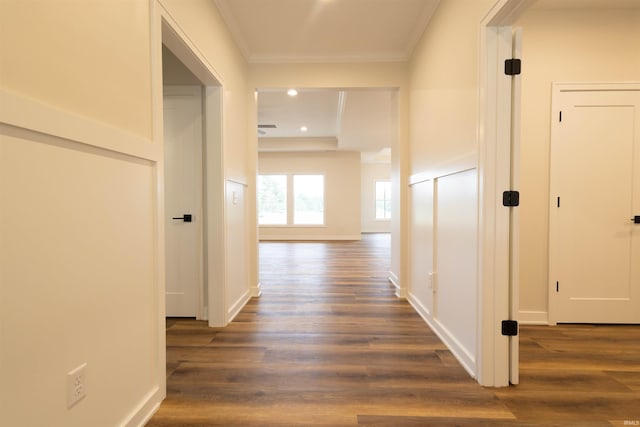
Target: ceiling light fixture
304 128
292 92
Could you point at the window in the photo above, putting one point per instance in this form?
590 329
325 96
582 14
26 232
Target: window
383 199
291 199
308 199
272 199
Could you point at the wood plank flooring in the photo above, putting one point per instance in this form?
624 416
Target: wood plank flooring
328 344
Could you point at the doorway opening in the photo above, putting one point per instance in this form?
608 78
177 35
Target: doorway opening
341 141
193 102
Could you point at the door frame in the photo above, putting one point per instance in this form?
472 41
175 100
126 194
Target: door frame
556 106
496 301
166 31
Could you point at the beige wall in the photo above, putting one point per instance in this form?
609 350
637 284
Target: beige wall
443 75
372 172
81 262
95 53
560 46
443 78
342 193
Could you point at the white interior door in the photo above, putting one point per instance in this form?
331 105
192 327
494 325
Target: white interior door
595 191
183 199
514 221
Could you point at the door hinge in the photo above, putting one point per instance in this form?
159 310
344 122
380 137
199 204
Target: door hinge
509 328
512 67
511 198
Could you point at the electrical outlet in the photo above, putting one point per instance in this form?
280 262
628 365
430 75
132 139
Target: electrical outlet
76 385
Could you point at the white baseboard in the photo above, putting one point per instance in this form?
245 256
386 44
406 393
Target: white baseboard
145 410
256 290
533 318
395 281
238 306
457 349
309 238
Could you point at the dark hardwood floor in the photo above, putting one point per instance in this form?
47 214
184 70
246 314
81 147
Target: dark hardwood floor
328 344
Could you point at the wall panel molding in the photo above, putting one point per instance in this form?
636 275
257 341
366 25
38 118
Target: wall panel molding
30 114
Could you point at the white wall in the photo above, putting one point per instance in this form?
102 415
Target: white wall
370 173
443 223
80 246
560 46
342 193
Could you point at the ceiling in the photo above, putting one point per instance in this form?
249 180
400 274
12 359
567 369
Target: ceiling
269 31
361 120
326 30
272 31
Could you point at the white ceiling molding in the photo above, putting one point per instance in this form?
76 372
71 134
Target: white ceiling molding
267 145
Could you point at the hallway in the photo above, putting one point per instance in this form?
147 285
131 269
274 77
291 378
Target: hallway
329 344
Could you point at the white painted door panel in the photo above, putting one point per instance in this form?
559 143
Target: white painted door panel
595 191
183 195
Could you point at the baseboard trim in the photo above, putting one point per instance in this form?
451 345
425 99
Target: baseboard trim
146 409
238 306
533 317
395 281
256 290
309 238
459 352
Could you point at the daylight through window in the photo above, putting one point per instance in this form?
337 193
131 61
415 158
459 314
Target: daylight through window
291 199
383 199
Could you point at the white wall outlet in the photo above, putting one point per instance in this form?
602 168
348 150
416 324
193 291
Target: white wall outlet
76 385
432 281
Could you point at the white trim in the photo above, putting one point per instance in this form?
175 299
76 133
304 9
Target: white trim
309 237
533 317
595 86
459 352
157 129
145 409
494 121
463 163
237 306
181 45
215 188
26 113
256 290
238 181
395 281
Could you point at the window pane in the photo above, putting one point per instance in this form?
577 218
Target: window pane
272 199
308 199
383 199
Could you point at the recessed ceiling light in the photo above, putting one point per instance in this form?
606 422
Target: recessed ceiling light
292 92
304 128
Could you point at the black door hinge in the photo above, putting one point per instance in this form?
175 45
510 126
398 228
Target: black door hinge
511 198
509 328
512 67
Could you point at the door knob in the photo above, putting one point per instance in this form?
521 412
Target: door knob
636 219
185 217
